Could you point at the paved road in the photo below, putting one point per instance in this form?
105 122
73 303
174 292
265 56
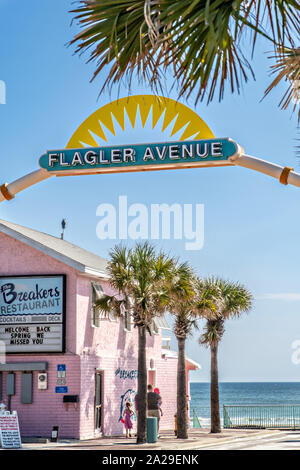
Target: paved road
284 440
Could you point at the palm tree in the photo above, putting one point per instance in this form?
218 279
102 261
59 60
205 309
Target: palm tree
182 306
186 305
234 300
287 67
202 41
142 278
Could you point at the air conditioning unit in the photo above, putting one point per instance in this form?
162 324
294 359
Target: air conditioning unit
42 381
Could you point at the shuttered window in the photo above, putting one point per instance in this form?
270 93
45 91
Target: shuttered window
96 315
10 384
96 294
26 387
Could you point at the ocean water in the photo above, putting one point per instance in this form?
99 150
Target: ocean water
242 393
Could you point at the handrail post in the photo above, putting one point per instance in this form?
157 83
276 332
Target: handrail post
293 410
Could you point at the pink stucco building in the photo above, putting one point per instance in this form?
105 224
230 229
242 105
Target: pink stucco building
64 366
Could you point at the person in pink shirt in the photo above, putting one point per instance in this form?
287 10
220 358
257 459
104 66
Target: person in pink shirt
127 413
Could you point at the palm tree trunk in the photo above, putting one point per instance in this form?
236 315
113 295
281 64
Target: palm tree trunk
182 432
142 386
214 390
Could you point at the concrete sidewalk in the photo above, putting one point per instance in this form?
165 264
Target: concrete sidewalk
198 438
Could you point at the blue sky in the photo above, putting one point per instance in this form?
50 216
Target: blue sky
252 222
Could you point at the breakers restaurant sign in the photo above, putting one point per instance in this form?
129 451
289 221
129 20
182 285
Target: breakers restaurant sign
32 313
139 157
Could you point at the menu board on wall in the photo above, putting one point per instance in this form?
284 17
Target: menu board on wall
32 313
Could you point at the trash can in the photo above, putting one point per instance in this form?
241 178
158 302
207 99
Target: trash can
152 429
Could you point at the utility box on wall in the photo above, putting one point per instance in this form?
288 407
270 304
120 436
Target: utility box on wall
42 381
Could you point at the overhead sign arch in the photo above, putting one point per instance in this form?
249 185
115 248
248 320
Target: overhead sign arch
101 121
88 150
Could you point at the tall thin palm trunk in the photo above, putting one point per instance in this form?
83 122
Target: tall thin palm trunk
182 432
142 386
214 390
232 298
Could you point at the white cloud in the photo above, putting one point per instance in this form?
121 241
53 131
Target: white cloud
285 296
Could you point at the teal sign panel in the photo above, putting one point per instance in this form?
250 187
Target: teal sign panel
140 156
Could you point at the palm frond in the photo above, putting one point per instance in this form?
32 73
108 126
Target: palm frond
210 302
109 304
200 40
114 32
118 267
143 278
287 68
278 19
298 145
181 299
236 298
213 332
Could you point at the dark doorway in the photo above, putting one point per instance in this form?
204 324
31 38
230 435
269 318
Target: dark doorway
98 400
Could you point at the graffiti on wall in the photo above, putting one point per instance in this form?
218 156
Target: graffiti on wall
128 396
126 374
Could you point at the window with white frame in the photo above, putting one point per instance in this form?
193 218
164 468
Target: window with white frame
96 315
96 294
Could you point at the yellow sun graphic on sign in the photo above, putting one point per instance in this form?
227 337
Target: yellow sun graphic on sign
170 114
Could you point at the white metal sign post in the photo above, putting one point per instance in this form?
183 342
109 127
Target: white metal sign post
285 175
83 154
